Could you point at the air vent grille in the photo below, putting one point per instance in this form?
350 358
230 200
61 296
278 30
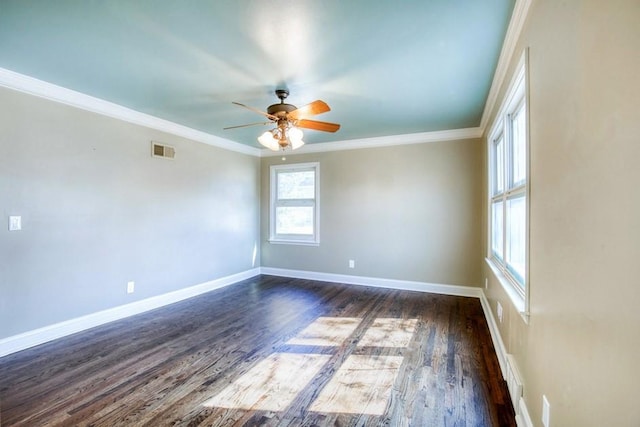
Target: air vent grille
162 150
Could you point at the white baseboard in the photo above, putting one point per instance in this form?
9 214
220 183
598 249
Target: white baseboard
29 339
45 334
48 333
436 288
406 285
58 330
498 344
522 413
523 419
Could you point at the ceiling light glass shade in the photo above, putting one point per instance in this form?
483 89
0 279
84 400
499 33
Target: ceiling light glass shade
267 140
295 138
295 144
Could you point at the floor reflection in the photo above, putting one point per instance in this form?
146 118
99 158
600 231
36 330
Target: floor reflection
386 332
326 331
361 385
272 384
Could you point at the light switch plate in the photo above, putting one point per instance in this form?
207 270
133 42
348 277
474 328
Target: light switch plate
15 223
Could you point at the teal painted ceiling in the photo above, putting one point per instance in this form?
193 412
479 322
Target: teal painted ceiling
385 67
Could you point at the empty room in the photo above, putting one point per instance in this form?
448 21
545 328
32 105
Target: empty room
319 213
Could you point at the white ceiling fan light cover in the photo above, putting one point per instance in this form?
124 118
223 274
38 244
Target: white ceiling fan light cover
267 140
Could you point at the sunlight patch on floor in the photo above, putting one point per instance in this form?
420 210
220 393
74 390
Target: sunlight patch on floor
326 331
272 384
386 332
362 385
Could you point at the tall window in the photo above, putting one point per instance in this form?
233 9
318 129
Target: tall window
294 204
508 154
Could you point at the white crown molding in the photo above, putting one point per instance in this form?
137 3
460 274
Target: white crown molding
405 285
381 141
30 85
42 89
516 24
45 334
22 83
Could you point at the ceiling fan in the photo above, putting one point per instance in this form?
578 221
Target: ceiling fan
288 120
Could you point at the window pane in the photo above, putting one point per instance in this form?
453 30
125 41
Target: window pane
497 229
294 220
296 185
499 166
518 128
516 236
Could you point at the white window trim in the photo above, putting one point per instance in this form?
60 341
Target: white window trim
293 239
517 93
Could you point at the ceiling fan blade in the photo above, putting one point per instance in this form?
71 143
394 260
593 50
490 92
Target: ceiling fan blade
255 110
316 107
244 126
316 125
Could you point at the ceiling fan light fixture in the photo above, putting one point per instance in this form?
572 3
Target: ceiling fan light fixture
288 120
297 144
295 138
267 140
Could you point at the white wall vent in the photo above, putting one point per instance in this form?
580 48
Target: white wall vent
514 382
162 150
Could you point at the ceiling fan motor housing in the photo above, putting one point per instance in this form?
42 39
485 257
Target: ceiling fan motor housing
281 110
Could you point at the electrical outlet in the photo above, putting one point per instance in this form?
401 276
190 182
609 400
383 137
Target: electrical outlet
546 408
499 312
352 263
130 287
15 223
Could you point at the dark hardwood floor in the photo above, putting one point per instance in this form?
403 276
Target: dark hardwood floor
269 351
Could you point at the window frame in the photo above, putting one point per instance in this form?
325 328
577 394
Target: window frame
294 239
517 286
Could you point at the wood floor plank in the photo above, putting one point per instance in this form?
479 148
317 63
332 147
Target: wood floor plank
173 366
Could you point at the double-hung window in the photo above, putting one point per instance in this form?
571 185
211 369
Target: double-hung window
508 191
294 204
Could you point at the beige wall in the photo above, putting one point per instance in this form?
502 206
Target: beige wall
581 345
408 213
98 211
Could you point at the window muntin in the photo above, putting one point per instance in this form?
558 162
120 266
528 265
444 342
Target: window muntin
294 204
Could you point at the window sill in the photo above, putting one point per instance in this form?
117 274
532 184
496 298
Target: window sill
516 299
293 242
